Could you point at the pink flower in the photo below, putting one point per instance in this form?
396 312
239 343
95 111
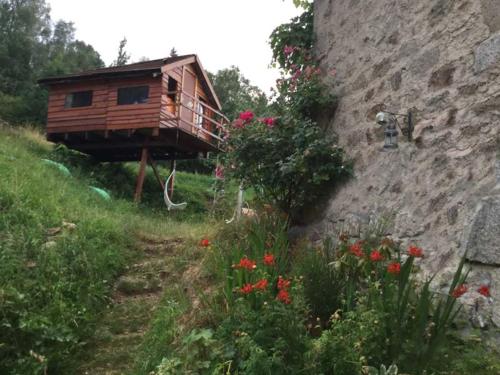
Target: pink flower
239 123
288 50
246 116
296 75
219 172
269 121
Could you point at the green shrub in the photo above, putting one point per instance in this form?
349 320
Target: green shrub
323 285
270 340
348 344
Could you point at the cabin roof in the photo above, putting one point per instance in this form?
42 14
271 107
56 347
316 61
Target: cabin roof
134 70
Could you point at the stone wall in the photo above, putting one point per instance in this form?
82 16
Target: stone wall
440 58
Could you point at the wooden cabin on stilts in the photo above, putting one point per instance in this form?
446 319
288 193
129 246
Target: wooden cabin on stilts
163 109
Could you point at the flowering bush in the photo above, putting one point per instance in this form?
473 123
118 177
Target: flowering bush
292 162
288 158
378 277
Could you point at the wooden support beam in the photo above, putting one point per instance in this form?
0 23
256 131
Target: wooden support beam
141 175
157 175
170 186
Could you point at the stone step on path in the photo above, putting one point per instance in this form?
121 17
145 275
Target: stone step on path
135 298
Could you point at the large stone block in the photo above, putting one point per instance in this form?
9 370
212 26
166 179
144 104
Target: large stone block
491 14
487 54
483 238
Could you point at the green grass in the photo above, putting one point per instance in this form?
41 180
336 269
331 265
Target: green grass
56 277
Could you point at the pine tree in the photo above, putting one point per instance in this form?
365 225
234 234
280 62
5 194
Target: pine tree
123 57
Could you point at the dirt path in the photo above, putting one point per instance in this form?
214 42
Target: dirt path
136 295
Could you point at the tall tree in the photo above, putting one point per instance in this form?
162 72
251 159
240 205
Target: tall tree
32 47
237 94
123 57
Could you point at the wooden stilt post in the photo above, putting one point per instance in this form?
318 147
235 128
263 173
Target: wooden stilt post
141 175
172 180
155 170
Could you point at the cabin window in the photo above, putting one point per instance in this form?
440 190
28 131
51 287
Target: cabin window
133 95
78 99
172 88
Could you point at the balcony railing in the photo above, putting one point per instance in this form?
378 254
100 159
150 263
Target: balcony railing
195 116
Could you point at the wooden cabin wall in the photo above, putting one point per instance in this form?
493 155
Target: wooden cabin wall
134 116
104 113
61 119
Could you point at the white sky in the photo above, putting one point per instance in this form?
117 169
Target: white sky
221 32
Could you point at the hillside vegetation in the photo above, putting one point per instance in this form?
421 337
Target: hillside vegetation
62 245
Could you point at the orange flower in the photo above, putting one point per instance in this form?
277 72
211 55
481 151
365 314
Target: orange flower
247 289
459 291
261 284
284 297
416 252
484 290
283 284
356 249
205 242
376 256
246 264
268 259
394 268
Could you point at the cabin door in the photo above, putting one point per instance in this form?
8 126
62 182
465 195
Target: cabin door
187 100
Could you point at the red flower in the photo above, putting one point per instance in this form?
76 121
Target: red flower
416 252
246 116
394 268
246 264
268 259
284 297
205 242
261 284
484 290
355 249
247 289
269 121
283 284
459 291
376 256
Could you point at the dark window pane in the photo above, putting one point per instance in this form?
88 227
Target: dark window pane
133 95
172 88
78 99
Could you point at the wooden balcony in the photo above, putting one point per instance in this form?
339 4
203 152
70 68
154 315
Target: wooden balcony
194 117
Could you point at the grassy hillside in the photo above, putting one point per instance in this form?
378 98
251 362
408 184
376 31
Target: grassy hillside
62 245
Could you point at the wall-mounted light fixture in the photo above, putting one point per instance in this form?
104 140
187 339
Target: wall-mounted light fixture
391 124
